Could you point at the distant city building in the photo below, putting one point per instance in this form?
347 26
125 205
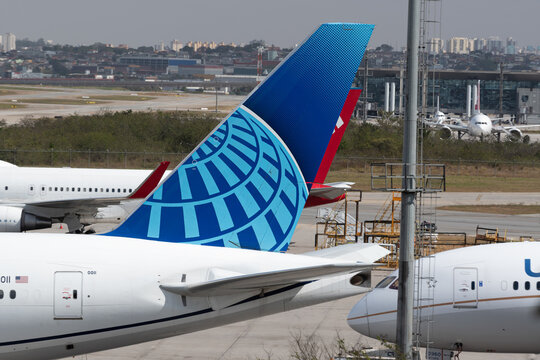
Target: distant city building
494 45
1 43
479 44
160 46
435 46
8 43
459 45
510 46
156 64
176 45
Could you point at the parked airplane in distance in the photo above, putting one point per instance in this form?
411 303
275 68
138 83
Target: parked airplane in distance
242 189
479 125
479 298
34 198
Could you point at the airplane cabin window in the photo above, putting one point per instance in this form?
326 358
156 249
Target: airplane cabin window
55 188
119 190
5 187
473 285
527 285
50 188
12 294
538 285
95 189
62 188
31 188
1 294
129 189
89 189
101 189
385 282
112 190
84 189
107 189
516 285
72 189
43 188
124 190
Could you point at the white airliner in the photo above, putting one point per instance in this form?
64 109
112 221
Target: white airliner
479 125
480 298
33 198
187 258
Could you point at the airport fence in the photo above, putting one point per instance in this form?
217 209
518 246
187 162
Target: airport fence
133 160
453 166
89 158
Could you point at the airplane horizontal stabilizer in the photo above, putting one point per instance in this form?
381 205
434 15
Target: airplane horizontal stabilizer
246 283
330 191
366 253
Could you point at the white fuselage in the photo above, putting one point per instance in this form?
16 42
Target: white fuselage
32 188
28 184
482 298
480 125
79 294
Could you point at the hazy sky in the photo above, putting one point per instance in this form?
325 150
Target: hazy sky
279 22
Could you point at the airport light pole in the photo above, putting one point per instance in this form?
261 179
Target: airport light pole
408 197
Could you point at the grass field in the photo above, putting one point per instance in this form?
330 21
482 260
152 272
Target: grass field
63 101
4 106
510 209
4 92
482 179
25 88
122 97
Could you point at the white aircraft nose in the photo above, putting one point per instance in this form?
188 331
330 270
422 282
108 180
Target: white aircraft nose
358 318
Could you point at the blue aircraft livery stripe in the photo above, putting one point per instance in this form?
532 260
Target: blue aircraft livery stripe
245 185
237 211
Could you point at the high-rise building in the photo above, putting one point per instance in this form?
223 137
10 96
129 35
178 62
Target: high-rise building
510 46
459 45
435 46
8 43
479 44
494 45
176 45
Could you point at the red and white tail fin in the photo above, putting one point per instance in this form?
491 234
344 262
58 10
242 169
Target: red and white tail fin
339 130
150 183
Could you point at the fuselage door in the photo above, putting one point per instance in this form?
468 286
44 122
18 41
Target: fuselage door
465 287
68 295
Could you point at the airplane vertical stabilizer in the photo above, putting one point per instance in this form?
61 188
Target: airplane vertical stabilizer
245 185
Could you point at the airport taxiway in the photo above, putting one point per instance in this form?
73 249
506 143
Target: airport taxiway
165 101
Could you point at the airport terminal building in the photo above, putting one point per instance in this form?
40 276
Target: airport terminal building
520 90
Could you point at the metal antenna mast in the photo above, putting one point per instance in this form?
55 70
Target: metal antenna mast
406 243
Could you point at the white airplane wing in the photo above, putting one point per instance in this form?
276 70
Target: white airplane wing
346 259
255 282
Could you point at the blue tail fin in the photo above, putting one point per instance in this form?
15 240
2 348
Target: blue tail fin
245 184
